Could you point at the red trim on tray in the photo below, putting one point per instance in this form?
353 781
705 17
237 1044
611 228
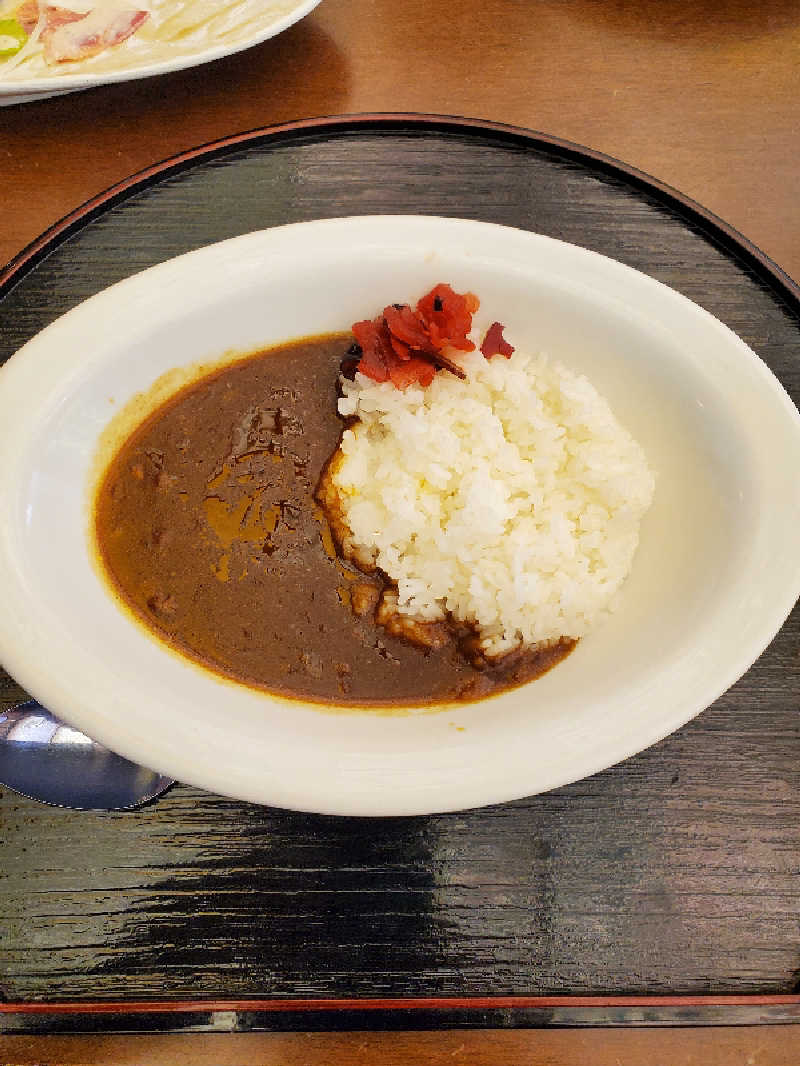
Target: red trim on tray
367 120
347 123
408 1003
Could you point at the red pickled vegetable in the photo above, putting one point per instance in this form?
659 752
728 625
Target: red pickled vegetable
448 315
494 343
402 351
374 355
406 325
406 345
415 371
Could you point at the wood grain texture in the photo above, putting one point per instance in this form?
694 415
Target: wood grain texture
743 1046
674 872
702 95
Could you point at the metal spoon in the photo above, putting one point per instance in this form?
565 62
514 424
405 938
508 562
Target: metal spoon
46 760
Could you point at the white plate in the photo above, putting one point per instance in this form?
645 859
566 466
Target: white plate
715 576
135 63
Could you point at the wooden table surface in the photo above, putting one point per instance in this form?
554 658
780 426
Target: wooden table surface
702 96
742 1046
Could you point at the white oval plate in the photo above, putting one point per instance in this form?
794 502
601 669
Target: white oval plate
135 63
715 575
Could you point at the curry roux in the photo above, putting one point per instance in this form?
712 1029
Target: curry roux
208 530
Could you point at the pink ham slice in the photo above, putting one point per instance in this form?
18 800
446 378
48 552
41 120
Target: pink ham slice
55 16
87 35
27 15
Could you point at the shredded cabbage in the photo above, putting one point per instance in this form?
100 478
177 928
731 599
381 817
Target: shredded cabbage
176 28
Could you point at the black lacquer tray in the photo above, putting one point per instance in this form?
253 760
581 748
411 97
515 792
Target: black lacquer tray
674 874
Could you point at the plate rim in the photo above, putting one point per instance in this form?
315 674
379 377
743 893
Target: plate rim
405 807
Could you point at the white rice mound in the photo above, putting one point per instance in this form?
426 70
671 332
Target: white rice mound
511 500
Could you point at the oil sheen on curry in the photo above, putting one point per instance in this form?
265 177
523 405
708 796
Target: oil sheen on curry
216 525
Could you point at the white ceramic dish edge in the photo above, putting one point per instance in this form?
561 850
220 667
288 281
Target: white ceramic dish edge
25 91
368 765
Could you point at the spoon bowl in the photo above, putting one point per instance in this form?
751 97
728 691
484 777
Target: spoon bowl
46 760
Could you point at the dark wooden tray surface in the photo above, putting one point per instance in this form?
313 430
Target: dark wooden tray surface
674 872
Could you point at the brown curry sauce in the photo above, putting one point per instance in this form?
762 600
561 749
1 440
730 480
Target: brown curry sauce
208 530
